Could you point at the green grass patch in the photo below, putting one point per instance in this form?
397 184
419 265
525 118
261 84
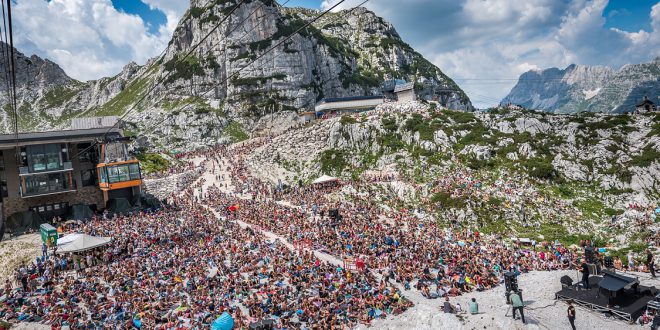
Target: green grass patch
425 128
151 163
646 158
590 207
236 132
333 161
57 96
127 97
183 69
347 120
446 201
460 117
540 168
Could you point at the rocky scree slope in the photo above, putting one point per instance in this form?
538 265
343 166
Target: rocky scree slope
587 88
344 54
560 171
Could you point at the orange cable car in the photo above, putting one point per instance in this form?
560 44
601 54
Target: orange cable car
117 170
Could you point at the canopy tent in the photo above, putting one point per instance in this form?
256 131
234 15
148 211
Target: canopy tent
21 221
119 205
68 238
84 243
325 179
80 212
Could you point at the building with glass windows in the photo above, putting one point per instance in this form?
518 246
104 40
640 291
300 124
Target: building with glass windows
48 172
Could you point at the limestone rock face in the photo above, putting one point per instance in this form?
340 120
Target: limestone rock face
244 70
586 88
585 149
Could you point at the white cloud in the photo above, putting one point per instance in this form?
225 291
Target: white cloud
173 10
90 39
469 39
500 39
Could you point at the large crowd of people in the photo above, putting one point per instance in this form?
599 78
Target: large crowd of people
182 266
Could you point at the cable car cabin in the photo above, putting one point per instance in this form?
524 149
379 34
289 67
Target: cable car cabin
119 175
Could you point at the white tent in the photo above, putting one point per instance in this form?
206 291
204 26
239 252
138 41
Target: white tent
325 178
84 243
68 238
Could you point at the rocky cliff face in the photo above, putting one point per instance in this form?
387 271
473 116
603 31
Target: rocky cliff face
533 170
343 54
582 88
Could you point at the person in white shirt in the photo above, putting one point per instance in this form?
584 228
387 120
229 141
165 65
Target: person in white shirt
631 261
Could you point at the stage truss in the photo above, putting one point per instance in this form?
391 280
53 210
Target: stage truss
595 307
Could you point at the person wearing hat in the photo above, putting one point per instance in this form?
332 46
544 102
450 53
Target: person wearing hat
571 314
517 305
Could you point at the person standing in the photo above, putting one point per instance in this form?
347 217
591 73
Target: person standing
650 262
585 274
518 305
474 307
571 314
631 261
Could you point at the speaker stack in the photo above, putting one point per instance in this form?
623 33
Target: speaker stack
609 262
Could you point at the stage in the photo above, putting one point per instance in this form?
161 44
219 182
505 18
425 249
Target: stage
627 306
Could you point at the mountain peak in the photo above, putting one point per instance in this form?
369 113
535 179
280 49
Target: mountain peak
237 71
586 88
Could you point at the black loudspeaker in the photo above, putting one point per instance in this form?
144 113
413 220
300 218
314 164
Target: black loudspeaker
590 255
609 262
334 214
566 280
510 282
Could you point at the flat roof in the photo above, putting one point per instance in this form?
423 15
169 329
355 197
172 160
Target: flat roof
351 98
9 140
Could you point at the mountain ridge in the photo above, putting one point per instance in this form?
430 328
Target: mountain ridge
580 88
342 54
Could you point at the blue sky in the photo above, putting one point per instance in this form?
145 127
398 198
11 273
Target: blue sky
629 15
483 44
152 16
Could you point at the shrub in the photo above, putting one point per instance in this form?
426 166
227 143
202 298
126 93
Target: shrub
150 163
196 12
611 211
235 131
447 201
646 158
461 117
540 169
426 129
565 191
389 124
183 69
391 141
347 120
333 161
